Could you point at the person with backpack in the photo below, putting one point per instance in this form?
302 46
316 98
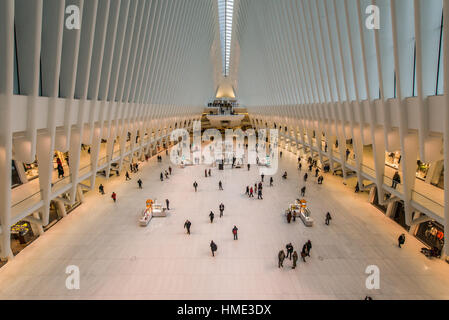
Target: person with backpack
289 248
187 225
195 185
401 240
139 182
221 208
234 232
281 258
328 218
211 217
213 247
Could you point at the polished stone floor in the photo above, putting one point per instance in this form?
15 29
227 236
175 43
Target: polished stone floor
118 259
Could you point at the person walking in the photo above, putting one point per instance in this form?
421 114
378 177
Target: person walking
303 191
162 176
300 166
305 177
221 208
187 225
213 247
211 216
205 173
401 240
234 232
210 173
295 259
139 182
357 188
317 171
127 176
280 154
309 247
169 170
281 258
220 185
101 188
271 181
195 185
262 176
247 191
304 252
328 218
289 248
114 196
248 166
259 194
251 192
167 202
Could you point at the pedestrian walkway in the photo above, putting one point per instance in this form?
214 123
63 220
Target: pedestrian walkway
118 259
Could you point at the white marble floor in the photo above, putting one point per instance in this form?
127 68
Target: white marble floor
120 260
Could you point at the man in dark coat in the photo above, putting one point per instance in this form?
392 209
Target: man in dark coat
289 248
187 225
195 185
211 216
213 247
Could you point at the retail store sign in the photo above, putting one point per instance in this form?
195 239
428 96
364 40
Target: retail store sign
373 280
73 280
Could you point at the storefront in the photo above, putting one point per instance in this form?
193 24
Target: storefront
431 233
31 170
421 170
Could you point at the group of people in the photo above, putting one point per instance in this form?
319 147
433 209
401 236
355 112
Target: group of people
166 174
257 189
293 255
134 167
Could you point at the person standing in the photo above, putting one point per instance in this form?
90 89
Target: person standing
101 188
271 181
289 248
211 217
289 216
328 218
221 208
139 182
213 247
167 202
220 185
127 176
303 191
304 252
187 225
195 185
262 176
281 257
396 179
295 259
401 240
114 196
234 232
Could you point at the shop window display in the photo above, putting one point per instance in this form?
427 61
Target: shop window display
31 170
431 233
